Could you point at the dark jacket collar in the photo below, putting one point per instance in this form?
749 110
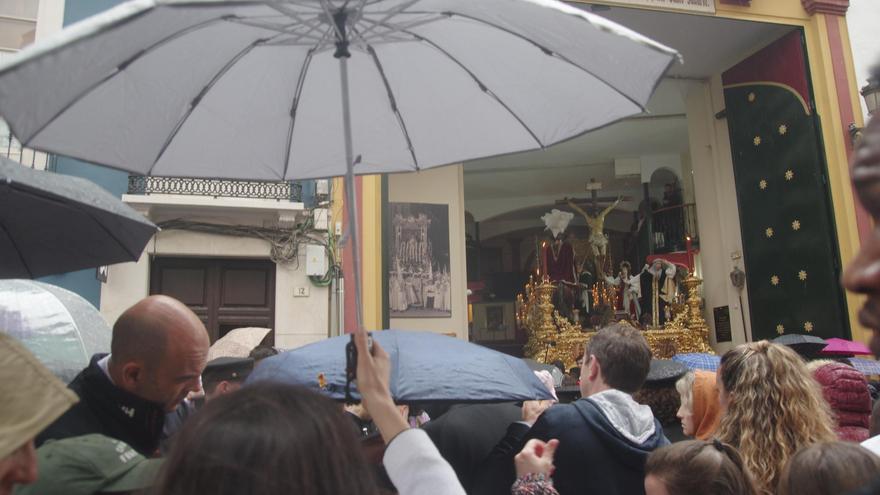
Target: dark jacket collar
141 420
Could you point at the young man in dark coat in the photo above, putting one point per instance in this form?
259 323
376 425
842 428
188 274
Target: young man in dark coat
158 351
604 437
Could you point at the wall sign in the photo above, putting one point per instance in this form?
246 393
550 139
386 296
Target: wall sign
706 6
722 324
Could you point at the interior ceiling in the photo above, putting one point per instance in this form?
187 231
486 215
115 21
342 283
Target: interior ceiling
708 46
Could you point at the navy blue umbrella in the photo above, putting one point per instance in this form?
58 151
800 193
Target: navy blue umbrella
426 367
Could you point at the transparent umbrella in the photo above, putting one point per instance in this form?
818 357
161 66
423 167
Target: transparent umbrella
61 328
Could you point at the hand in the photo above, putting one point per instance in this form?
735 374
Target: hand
373 378
536 458
531 409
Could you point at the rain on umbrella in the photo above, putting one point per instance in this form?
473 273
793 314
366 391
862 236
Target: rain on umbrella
60 328
425 367
283 90
52 223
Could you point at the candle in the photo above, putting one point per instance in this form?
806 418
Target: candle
690 255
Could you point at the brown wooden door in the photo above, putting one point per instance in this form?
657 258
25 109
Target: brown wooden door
224 293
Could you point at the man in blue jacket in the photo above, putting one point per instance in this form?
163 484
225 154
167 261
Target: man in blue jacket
604 437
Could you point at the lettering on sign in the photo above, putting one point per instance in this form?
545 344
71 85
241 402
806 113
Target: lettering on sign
706 6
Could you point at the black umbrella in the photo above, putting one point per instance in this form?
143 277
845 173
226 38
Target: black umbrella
805 345
53 223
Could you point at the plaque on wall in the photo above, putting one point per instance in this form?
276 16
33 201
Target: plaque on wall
722 324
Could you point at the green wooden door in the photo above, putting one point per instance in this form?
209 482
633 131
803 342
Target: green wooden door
789 238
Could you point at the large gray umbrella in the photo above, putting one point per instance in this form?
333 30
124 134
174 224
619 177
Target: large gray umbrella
61 328
53 223
294 89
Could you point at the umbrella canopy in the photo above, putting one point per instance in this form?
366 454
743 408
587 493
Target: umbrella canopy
60 328
842 347
698 361
664 371
52 223
298 89
430 82
865 366
238 342
805 345
426 367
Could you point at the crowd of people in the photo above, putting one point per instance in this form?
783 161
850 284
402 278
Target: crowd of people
766 422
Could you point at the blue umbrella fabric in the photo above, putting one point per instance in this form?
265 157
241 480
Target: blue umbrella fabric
698 361
865 366
425 367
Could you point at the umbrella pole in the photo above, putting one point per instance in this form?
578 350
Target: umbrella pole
350 191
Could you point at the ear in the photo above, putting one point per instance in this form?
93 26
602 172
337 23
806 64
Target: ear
132 375
222 388
594 368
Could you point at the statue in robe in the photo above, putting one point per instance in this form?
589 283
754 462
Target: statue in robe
630 287
658 290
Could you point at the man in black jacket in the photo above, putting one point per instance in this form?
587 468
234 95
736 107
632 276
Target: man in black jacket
158 351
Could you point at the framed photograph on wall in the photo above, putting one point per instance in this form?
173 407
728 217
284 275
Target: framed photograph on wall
419 280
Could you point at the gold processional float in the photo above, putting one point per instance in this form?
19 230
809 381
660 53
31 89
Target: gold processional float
552 336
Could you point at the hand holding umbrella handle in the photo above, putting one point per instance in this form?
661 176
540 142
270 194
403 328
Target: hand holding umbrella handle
373 378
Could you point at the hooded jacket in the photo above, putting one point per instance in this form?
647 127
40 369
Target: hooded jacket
604 441
846 391
109 410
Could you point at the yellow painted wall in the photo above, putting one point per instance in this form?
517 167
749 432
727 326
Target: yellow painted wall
370 242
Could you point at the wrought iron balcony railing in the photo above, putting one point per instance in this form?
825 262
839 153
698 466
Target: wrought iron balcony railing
217 188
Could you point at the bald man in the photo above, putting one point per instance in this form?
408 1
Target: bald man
158 351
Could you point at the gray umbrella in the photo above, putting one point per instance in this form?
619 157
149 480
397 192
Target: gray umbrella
61 328
296 89
53 223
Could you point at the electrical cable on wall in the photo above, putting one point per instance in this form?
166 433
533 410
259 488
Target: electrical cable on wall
284 243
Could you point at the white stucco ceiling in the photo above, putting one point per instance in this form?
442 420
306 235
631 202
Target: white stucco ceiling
502 186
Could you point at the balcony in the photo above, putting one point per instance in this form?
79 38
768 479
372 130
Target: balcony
216 200
215 188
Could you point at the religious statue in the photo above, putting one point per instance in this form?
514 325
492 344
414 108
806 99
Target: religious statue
558 261
658 290
598 240
630 288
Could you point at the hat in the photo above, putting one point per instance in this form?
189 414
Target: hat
90 464
664 371
32 396
227 368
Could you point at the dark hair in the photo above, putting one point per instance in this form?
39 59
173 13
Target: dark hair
268 439
698 467
828 468
261 352
623 354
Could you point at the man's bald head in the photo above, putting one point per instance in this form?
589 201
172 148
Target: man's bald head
158 350
144 330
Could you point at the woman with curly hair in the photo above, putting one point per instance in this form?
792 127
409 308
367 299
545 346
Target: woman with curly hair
772 408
